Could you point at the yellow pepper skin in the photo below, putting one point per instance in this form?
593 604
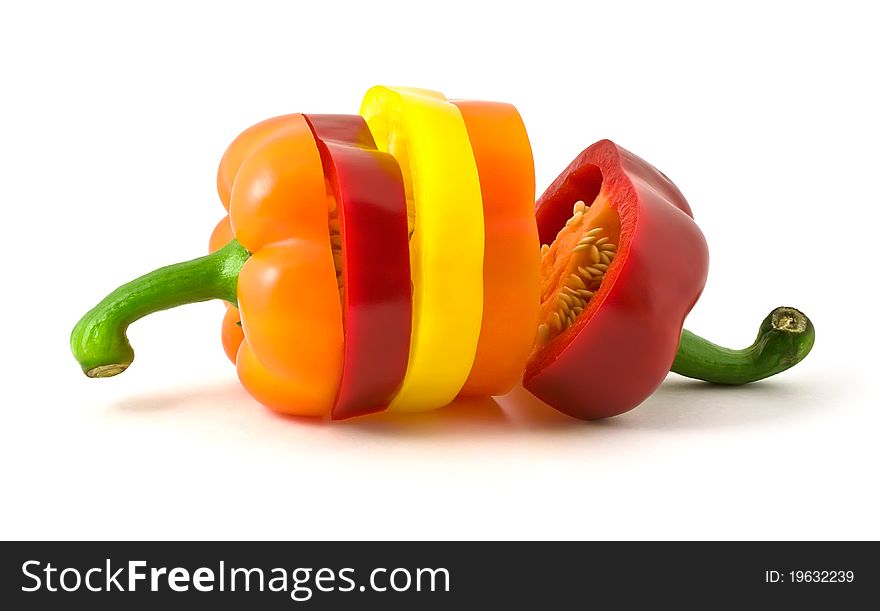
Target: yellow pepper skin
428 137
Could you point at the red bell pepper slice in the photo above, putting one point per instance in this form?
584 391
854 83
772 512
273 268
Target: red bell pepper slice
616 351
368 189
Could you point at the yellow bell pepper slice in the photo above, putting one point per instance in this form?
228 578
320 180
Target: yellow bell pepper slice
428 137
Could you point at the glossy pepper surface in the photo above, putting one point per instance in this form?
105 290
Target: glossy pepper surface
619 349
510 260
369 238
365 211
291 357
429 139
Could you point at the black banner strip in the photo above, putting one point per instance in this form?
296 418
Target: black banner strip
313 575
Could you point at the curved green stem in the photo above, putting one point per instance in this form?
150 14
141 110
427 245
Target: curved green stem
784 339
98 340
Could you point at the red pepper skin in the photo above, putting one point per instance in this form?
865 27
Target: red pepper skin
621 348
377 303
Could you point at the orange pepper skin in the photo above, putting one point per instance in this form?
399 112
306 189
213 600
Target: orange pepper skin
276 391
231 333
279 189
242 147
291 319
292 322
511 260
221 236
289 304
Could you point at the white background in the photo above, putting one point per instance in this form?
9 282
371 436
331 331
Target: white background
113 119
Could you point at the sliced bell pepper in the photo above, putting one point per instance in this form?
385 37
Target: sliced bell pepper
428 137
623 264
511 262
315 209
370 236
286 336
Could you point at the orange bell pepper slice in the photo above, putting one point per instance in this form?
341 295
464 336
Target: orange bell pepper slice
511 260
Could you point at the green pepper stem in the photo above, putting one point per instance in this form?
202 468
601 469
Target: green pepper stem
99 342
784 339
